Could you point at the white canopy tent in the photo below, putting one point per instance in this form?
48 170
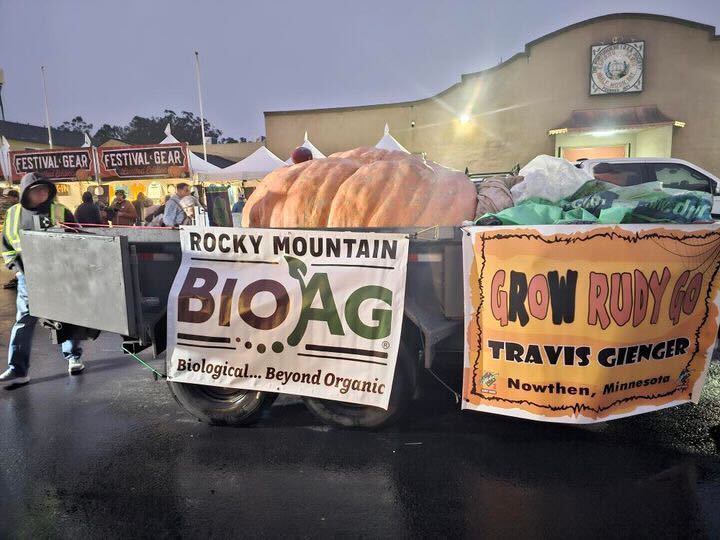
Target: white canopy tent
258 164
197 164
316 154
5 158
388 142
87 143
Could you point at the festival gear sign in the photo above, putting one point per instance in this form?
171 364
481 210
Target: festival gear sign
154 161
312 313
577 323
66 164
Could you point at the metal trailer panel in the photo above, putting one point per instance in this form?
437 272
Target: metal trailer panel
79 279
149 259
146 235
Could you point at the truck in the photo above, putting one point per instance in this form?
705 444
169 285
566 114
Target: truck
673 173
126 275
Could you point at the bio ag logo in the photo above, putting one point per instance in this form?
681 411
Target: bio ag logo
318 302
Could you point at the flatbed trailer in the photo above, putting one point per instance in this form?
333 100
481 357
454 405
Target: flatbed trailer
118 280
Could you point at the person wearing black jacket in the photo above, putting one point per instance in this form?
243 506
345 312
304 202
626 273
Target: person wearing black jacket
37 199
88 212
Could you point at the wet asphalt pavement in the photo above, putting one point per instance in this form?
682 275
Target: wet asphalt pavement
109 454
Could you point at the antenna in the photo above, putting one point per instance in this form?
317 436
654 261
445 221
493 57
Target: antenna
2 82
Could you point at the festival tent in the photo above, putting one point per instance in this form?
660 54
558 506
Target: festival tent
197 164
388 142
316 154
87 143
258 164
5 158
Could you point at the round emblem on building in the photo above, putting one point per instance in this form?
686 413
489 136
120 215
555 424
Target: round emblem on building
617 68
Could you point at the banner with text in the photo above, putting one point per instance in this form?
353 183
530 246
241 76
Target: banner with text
578 323
156 161
312 313
66 164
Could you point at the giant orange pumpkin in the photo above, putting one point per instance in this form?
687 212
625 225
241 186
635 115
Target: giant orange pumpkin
364 187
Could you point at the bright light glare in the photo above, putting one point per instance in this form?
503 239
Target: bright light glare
604 133
464 118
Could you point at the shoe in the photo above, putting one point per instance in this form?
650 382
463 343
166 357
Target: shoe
75 366
10 377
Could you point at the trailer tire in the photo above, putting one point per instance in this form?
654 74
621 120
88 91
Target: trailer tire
348 415
221 406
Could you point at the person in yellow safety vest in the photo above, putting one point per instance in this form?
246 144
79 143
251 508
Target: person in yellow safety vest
37 198
12 197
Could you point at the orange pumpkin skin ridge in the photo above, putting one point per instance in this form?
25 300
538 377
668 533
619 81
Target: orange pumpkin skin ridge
363 187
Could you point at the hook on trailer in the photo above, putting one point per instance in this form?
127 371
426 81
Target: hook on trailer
434 228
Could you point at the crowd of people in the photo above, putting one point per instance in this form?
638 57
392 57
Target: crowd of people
35 203
177 209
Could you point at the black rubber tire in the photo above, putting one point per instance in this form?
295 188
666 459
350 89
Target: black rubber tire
348 415
221 406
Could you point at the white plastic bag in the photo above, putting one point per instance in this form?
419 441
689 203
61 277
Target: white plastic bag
549 178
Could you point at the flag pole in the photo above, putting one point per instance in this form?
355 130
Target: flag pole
202 114
47 110
2 109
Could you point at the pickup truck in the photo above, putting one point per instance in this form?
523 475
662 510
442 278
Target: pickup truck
673 173
127 274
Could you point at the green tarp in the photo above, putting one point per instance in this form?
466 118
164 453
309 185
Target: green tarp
605 203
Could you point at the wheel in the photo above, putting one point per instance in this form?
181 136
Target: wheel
339 414
221 406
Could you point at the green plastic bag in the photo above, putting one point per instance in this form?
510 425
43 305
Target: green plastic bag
605 203
533 212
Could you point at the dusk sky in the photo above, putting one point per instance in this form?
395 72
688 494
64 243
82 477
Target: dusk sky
110 60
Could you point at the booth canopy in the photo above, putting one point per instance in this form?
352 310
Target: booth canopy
388 142
197 164
316 154
5 158
258 164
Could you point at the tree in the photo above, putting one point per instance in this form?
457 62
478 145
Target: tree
227 140
76 125
107 132
150 130
185 128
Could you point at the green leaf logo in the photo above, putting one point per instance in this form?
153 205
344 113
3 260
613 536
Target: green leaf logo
296 267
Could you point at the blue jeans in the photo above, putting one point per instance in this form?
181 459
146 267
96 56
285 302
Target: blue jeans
22 333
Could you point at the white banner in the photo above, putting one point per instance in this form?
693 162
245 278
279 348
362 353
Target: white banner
312 313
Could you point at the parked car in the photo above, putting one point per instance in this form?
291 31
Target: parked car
673 173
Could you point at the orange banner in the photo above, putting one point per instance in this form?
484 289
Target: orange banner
584 323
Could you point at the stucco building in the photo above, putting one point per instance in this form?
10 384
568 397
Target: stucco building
618 85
